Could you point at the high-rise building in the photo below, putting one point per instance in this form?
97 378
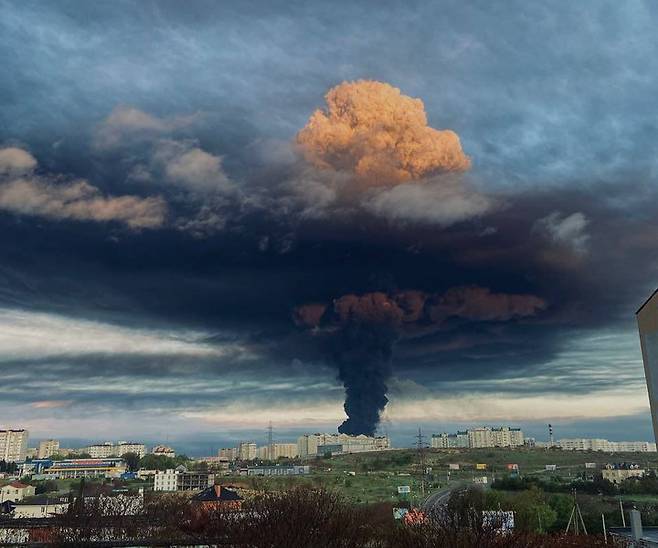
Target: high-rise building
48 448
247 450
13 445
647 322
229 453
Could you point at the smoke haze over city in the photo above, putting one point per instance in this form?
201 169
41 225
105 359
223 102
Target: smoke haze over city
325 215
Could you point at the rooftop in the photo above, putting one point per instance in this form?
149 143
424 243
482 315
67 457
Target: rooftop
217 493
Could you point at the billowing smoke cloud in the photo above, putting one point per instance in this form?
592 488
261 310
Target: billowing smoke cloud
79 200
15 160
364 328
374 131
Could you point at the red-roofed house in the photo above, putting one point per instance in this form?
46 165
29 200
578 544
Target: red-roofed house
16 491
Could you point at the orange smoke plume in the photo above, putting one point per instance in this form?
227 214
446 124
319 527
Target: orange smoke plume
374 131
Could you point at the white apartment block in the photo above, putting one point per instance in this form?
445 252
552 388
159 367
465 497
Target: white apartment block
507 437
307 445
277 450
449 441
504 436
182 480
598 444
109 449
480 437
247 450
47 448
13 445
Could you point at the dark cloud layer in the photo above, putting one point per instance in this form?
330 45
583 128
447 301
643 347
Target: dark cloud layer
483 274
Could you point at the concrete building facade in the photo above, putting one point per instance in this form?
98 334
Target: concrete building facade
483 436
247 450
16 491
180 479
647 323
599 444
109 449
48 448
308 444
13 445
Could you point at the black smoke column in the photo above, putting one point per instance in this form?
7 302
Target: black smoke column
363 353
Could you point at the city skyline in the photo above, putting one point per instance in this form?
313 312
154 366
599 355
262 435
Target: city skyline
218 216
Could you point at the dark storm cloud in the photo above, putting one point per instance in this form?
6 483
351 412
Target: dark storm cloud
199 104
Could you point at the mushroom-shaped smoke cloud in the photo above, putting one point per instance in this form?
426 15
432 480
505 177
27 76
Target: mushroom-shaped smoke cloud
374 131
364 328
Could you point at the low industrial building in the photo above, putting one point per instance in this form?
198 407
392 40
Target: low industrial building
616 473
41 506
86 468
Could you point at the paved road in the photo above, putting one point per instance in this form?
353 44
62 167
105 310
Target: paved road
440 498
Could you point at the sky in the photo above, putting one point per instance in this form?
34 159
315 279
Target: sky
395 214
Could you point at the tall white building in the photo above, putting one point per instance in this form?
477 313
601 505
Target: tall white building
507 437
48 448
13 445
229 453
247 450
480 437
449 441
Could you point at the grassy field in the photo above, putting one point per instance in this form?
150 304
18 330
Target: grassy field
375 477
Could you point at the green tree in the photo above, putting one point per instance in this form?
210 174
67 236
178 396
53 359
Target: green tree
132 461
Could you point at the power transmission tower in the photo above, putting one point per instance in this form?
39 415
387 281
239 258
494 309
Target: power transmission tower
420 448
576 518
270 442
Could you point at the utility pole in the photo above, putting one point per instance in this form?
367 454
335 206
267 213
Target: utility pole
576 518
621 509
420 448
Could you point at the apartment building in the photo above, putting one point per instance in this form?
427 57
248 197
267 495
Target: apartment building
449 441
180 479
599 444
247 450
48 448
311 445
277 450
483 436
13 445
109 449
